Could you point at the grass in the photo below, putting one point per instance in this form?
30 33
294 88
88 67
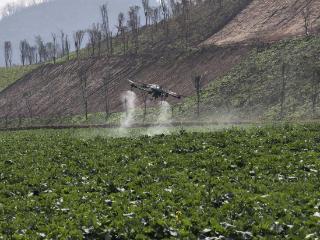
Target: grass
252 89
10 75
252 183
93 118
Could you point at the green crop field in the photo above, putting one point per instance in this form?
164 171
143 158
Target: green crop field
235 183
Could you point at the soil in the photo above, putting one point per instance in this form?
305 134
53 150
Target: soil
55 90
268 21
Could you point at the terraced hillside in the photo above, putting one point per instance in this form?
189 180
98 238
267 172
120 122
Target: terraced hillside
56 89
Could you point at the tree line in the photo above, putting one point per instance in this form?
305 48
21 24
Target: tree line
102 40
100 36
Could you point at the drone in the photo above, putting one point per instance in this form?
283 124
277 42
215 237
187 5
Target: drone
153 89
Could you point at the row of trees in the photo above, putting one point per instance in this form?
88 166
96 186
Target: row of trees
100 35
8 53
128 32
129 28
39 52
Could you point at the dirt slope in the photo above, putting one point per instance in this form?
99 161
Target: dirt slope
268 20
54 90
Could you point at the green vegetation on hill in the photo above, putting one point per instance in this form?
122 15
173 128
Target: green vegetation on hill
10 75
259 183
253 89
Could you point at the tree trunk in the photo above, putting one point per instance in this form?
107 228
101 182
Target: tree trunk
145 107
198 103
283 91
86 106
315 93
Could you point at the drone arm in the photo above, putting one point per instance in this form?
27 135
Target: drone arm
173 94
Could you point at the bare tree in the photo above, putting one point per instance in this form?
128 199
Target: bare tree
166 14
78 38
111 44
106 83
42 52
306 14
31 54
175 8
50 52
24 45
133 24
99 40
145 101
62 39
8 53
146 7
198 81
67 47
105 20
226 91
83 78
283 89
155 16
93 36
122 30
107 34
315 88
186 5
54 47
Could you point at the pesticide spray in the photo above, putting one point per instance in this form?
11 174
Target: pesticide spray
165 113
163 121
129 102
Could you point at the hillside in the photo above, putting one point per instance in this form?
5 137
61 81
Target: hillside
11 75
242 81
55 89
268 21
53 16
47 86
253 89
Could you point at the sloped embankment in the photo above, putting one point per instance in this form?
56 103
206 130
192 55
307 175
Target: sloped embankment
10 75
281 81
268 21
249 88
55 90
